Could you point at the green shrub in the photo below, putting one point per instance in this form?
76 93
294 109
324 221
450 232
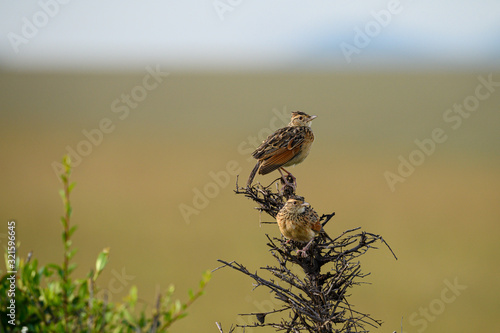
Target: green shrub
48 299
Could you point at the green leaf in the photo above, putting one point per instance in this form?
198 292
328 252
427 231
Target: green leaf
177 306
128 317
63 195
57 268
167 317
71 267
71 253
170 290
206 276
72 230
182 316
102 260
63 221
66 161
71 186
53 266
132 296
133 293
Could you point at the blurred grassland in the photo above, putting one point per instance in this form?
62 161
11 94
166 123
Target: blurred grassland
442 222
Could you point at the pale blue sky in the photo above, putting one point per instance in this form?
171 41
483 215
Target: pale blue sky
250 35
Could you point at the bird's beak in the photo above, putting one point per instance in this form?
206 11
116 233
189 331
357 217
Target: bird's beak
305 204
312 117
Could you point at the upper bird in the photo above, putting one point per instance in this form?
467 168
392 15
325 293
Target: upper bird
287 146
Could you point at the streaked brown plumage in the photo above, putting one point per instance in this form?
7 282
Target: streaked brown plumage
287 146
298 221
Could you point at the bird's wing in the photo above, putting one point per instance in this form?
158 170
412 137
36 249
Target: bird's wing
314 219
297 138
277 159
286 137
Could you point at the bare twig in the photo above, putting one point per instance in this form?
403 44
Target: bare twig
156 315
219 326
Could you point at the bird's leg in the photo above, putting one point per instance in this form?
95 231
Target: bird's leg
285 180
305 248
291 176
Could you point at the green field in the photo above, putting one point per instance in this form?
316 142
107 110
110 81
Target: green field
139 163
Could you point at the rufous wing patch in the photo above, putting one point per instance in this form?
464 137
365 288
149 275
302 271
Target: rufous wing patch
278 159
317 226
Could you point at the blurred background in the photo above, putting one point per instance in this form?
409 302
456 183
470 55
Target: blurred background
161 103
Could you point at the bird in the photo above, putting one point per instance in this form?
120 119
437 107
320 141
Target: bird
299 222
287 146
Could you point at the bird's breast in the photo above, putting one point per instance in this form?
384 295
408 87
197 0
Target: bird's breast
294 227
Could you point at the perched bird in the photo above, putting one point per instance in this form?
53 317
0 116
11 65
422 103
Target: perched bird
299 222
287 146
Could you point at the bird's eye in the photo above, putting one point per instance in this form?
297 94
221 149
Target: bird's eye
301 117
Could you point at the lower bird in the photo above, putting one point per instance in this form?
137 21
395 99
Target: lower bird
287 146
299 222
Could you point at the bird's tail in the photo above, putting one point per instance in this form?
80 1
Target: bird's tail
252 174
